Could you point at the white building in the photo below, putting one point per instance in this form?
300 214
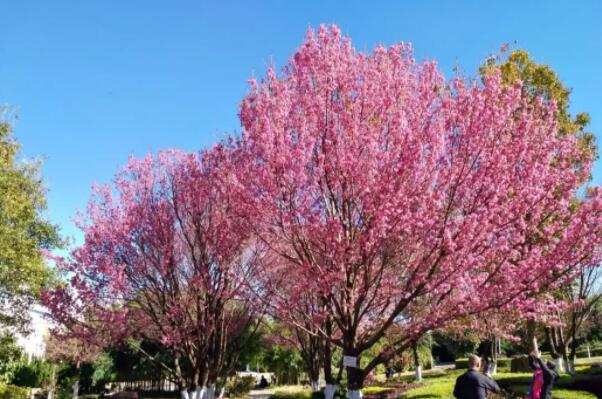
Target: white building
34 344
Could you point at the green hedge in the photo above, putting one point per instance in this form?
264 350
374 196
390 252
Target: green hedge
14 392
594 351
503 362
238 387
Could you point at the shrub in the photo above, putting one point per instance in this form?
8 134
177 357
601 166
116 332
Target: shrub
376 392
502 363
239 386
14 392
595 350
11 357
34 375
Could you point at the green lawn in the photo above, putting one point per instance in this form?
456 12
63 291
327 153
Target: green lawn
441 387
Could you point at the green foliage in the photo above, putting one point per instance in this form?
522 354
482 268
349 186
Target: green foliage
296 392
13 392
516 384
35 374
129 364
446 347
104 371
375 389
595 350
540 80
23 232
10 357
285 362
502 363
239 387
252 349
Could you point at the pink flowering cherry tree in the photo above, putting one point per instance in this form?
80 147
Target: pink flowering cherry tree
166 259
406 200
310 326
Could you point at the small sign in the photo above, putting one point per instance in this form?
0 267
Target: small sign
349 361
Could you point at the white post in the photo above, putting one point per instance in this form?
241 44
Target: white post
184 394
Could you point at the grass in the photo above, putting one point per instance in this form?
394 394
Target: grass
300 392
441 387
439 384
291 392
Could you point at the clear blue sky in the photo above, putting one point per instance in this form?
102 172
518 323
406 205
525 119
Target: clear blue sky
96 81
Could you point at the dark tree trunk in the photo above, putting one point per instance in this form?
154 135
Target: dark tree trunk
531 336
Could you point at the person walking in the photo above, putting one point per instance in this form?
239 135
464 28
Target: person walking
474 385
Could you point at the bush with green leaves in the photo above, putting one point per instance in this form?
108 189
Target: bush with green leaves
35 374
502 363
239 387
13 392
11 357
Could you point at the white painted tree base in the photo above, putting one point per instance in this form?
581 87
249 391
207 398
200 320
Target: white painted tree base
572 367
589 353
315 386
355 394
329 391
560 365
210 392
418 373
184 394
200 392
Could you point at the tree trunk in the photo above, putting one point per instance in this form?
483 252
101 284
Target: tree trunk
559 364
331 387
531 336
52 386
355 377
489 356
329 391
182 386
494 356
563 349
589 353
555 350
210 392
76 383
417 366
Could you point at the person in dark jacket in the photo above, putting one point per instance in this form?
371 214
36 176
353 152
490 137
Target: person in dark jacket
473 384
550 375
